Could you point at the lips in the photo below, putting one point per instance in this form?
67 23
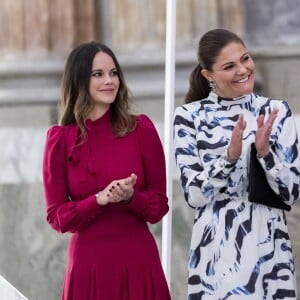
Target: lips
242 80
107 90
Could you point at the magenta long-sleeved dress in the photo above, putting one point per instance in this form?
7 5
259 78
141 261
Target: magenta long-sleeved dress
112 255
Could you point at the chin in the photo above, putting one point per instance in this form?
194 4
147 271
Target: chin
245 91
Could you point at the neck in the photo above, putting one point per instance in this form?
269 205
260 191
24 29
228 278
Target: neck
97 113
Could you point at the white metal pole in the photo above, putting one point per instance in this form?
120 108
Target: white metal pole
168 131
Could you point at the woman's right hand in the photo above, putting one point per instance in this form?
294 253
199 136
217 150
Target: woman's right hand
235 146
117 190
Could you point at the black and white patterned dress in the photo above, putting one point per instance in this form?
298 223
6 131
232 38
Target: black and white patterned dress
239 250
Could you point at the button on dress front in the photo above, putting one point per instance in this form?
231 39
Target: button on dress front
112 255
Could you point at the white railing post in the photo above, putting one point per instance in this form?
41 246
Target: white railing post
168 131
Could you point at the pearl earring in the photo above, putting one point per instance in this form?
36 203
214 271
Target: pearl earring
212 86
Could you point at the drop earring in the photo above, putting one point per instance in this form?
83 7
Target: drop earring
212 86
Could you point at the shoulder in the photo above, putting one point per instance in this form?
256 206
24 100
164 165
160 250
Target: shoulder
188 108
144 123
188 111
55 133
61 135
61 131
270 103
186 114
54 144
146 128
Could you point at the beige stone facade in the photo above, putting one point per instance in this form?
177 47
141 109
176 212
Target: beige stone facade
43 27
37 28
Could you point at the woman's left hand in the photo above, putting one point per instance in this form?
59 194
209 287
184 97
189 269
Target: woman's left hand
123 188
262 136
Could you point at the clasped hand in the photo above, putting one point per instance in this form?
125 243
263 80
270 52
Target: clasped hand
117 191
262 136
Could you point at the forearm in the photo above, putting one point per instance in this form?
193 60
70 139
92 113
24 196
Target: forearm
73 216
149 205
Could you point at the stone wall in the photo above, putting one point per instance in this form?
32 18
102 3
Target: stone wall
39 28
274 22
277 67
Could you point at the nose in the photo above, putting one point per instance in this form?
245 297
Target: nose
241 69
108 79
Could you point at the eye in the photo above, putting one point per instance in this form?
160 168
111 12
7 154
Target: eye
97 73
228 67
114 72
245 58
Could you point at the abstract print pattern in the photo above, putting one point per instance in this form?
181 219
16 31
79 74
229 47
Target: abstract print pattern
239 250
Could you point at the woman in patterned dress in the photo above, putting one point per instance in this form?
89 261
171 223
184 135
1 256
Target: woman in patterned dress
104 180
239 249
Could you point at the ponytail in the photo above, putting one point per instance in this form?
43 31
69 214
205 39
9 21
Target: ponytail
199 87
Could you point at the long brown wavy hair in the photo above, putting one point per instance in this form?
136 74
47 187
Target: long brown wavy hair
76 102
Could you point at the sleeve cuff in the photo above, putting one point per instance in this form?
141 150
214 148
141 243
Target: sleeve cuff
137 203
89 207
267 161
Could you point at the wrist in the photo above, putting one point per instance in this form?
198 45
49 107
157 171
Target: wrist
228 158
127 201
262 155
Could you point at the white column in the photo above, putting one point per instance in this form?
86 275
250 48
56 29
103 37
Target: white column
168 132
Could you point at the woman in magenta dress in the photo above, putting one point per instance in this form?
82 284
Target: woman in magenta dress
104 180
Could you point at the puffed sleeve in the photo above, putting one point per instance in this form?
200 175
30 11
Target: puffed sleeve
62 214
152 202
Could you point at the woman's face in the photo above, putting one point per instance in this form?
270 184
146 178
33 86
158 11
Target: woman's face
233 71
104 82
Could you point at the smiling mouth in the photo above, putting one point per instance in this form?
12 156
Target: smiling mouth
243 79
110 90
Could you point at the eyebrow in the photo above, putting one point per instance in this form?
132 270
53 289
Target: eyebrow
101 70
